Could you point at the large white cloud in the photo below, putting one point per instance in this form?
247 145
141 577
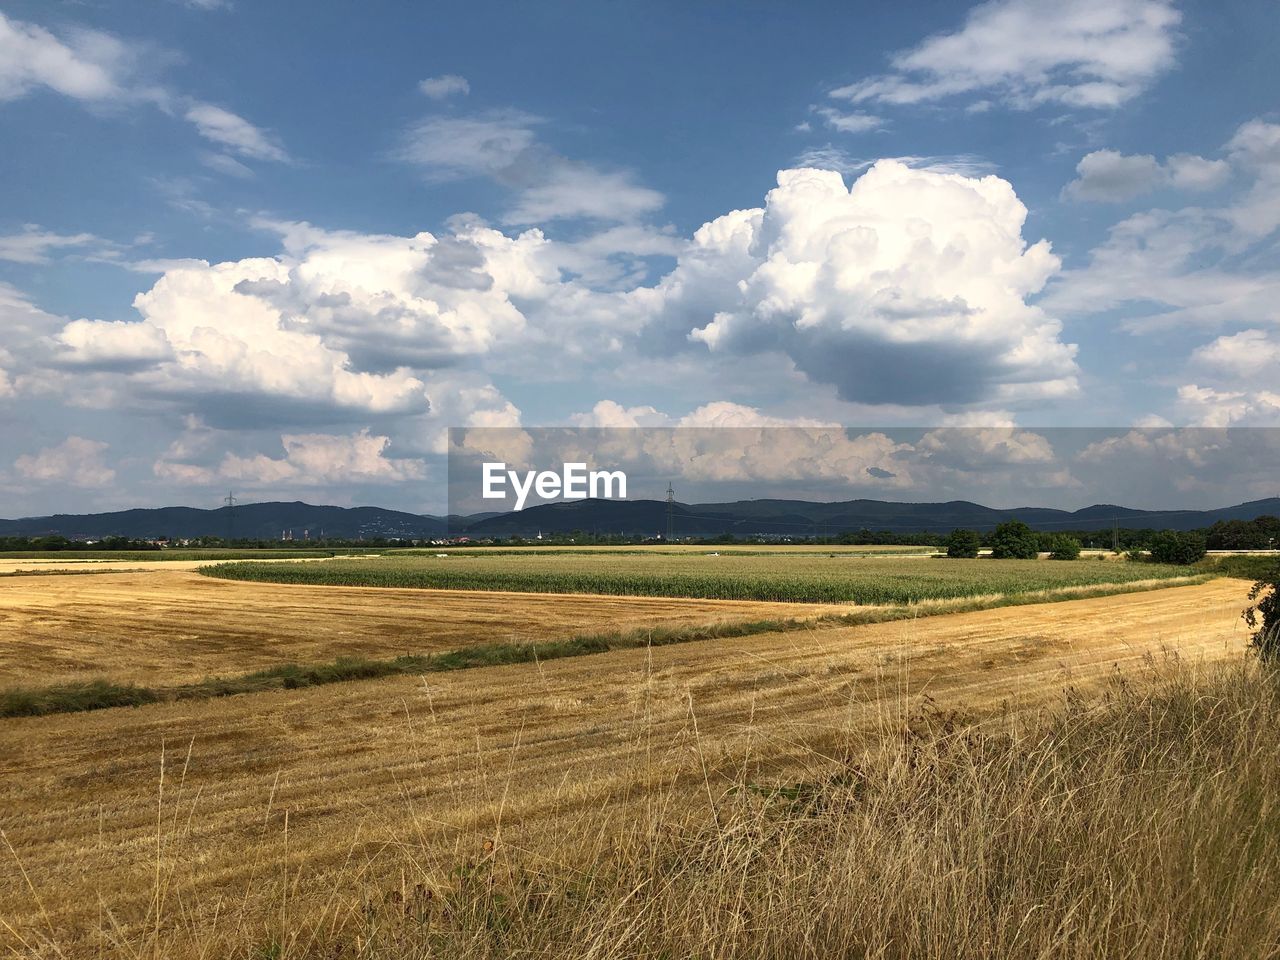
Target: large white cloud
909 287
340 325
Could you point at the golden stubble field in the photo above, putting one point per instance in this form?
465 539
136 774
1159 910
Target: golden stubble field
166 626
293 798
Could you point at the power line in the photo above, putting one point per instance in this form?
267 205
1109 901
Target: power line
671 509
230 501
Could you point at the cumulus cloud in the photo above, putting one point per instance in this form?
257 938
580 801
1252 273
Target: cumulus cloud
909 287
111 344
76 461
339 326
1088 53
310 459
321 458
504 145
444 86
237 134
1110 177
1244 355
1206 464
1210 407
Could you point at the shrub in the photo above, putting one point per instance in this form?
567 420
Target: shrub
962 543
1063 547
1263 617
1172 546
1014 540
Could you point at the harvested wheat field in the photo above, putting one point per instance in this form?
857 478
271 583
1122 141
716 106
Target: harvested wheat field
284 803
164 626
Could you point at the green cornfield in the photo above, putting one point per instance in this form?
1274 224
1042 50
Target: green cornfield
798 579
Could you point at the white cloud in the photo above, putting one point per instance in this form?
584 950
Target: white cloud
340 325
908 287
450 148
75 461
234 132
111 344
503 145
87 65
1241 356
1084 53
321 458
444 86
1194 266
310 459
1209 407
1110 177
225 164
610 413
1188 171
571 191
33 245
1215 464
849 122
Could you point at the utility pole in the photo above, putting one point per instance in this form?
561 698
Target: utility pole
1115 534
230 501
671 510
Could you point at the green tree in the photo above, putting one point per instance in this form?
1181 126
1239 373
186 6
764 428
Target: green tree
1063 547
1014 540
962 543
1173 546
1263 616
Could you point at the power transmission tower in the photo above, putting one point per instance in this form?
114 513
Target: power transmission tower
230 501
671 510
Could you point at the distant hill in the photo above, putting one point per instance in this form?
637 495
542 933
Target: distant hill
804 518
257 521
799 518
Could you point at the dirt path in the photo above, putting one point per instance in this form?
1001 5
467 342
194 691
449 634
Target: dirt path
167 626
423 764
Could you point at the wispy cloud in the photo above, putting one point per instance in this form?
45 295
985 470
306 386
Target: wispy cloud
445 86
235 133
1086 54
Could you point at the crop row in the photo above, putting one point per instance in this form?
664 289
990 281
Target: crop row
800 579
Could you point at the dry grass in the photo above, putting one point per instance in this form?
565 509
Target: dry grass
166 626
1144 826
290 818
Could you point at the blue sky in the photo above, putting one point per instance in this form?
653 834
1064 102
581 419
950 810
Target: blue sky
245 247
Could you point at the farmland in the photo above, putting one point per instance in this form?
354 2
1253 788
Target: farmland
278 814
165 626
267 823
805 578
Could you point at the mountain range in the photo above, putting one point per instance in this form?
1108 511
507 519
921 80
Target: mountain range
798 518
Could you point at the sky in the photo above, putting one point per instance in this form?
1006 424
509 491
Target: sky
247 248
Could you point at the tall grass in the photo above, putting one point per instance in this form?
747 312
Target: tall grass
1144 826
1141 825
